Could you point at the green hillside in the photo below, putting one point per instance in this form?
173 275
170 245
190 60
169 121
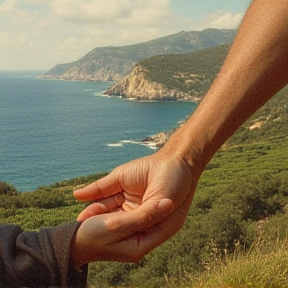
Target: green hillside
235 234
192 73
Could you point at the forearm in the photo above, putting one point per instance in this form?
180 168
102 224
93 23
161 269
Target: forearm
36 259
255 69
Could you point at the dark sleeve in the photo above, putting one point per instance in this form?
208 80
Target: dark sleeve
34 259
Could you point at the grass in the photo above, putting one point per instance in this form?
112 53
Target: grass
265 265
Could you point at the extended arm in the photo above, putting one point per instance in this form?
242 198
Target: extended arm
255 69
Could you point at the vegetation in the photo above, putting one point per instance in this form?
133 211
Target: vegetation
236 231
192 73
46 206
263 265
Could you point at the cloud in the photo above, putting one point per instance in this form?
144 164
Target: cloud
8 6
13 15
41 33
5 40
223 20
111 11
89 11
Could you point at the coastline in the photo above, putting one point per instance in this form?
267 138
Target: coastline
42 77
150 100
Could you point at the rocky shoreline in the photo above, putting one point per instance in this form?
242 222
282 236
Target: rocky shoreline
157 140
160 138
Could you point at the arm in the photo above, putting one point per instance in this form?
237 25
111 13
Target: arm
34 259
115 236
255 69
57 256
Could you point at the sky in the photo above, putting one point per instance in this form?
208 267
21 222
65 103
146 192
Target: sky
38 34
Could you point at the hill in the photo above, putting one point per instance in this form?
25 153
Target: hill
113 63
172 77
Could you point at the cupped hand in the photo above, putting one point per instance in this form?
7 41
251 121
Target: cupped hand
127 236
156 190
154 177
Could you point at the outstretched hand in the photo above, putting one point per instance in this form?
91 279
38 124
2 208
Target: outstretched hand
148 198
150 178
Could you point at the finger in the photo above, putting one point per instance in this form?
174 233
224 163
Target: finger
139 244
128 205
99 189
143 217
161 231
155 235
106 205
134 247
92 210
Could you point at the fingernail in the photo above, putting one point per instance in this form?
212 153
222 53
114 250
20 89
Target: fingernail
103 207
128 205
166 205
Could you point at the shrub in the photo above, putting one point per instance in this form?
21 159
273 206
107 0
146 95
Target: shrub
7 189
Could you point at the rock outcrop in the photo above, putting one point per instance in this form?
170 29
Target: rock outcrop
158 140
137 86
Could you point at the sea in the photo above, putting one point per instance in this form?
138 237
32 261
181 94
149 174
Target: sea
52 130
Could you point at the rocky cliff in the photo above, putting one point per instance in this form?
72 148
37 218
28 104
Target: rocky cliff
137 86
174 77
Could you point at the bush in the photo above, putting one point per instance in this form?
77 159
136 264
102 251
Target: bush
7 189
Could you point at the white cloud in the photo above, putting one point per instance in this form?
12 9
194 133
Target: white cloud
222 19
111 11
8 6
90 11
151 13
41 33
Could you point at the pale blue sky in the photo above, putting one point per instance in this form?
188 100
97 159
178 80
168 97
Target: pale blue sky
198 8
38 34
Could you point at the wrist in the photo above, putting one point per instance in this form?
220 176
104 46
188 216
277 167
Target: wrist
182 147
77 251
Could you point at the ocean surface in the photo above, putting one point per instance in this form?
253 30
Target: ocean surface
56 130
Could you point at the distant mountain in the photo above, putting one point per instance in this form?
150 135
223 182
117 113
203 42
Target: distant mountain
113 63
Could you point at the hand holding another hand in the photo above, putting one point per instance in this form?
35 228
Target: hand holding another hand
155 190
126 236
154 177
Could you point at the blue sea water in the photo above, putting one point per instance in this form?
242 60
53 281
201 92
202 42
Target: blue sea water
55 130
